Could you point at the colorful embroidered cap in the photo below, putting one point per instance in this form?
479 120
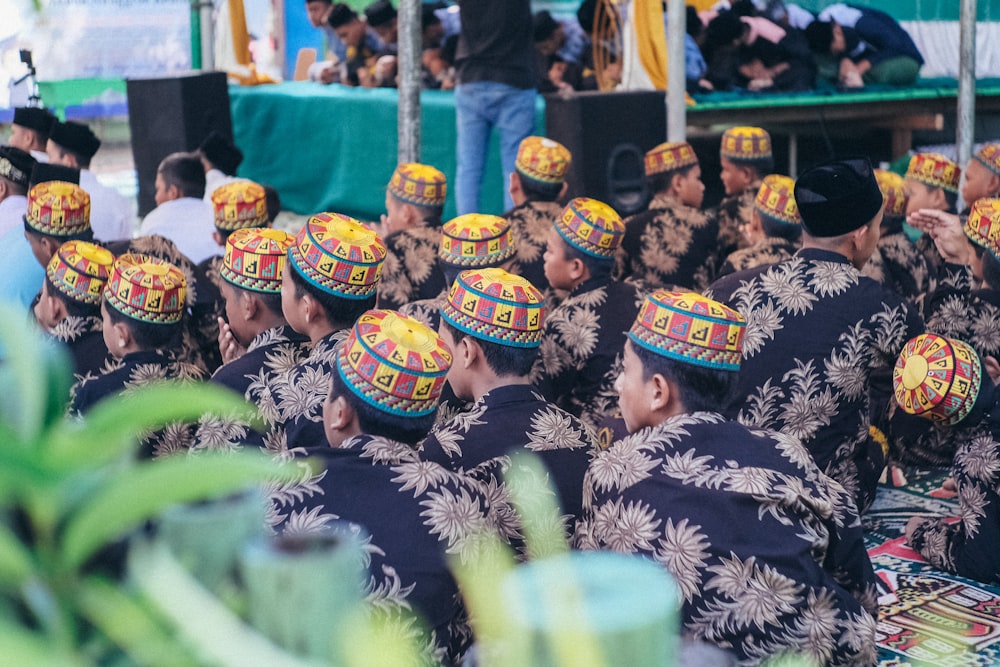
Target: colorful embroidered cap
80 270
591 226
58 208
983 225
496 306
746 144
670 156
255 258
394 363
935 170
239 205
147 289
476 240
338 255
16 165
776 200
543 160
418 184
690 328
893 192
989 155
937 378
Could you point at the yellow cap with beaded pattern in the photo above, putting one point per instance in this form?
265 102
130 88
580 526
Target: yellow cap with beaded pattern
476 240
746 144
591 226
983 225
80 270
418 184
496 306
394 363
255 258
776 199
670 156
58 208
147 289
935 170
338 255
989 156
239 205
543 160
893 192
937 378
690 328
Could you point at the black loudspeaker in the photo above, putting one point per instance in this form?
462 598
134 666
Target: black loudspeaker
170 115
608 135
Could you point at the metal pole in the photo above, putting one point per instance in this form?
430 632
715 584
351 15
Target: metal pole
409 80
966 131
676 108
207 36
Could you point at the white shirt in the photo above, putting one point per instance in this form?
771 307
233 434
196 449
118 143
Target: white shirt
12 210
40 156
112 217
215 178
188 222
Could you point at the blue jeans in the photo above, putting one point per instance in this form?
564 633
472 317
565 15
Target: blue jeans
479 107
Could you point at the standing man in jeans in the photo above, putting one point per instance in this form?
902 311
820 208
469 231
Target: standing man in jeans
497 71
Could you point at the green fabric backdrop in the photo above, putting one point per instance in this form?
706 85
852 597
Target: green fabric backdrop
331 148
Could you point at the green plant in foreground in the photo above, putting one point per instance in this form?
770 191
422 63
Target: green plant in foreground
72 491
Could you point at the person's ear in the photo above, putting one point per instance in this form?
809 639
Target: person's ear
514 184
563 190
577 269
469 351
661 393
56 307
341 414
218 238
249 306
122 335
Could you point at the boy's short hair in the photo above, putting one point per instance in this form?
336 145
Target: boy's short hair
148 335
185 171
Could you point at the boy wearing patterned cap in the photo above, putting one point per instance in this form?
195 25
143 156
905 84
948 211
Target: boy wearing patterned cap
330 278
57 212
819 333
143 308
384 386
896 262
931 186
411 227
727 509
581 343
69 306
537 185
746 157
15 171
260 346
944 380
774 229
492 322
73 144
672 242
470 241
982 175
236 205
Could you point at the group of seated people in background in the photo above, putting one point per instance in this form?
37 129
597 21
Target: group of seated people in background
718 390
743 45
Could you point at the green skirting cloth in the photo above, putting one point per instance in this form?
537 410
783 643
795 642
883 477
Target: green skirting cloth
332 148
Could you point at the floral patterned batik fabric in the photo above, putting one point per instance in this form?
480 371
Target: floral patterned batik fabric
411 270
669 244
819 337
766 551
412 514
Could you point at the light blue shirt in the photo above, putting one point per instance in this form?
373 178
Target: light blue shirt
23 275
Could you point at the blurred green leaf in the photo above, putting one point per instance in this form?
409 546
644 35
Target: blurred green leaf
113 425
131 625
24 354
220 637
21 647
134 495
15 560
